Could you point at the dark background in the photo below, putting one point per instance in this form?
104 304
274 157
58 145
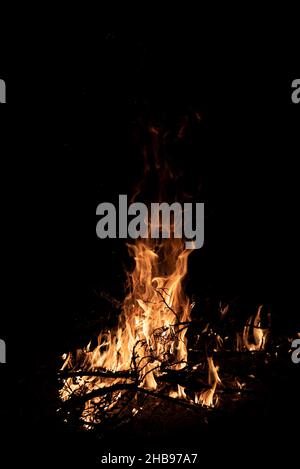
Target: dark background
74 129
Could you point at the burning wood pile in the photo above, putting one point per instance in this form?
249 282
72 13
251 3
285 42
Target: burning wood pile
160 349
163 349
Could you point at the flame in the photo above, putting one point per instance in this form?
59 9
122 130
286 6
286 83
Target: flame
150 335
206 398
253 337
150 329
155 301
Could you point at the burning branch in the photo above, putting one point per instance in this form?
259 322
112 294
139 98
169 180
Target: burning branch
168 306
147 352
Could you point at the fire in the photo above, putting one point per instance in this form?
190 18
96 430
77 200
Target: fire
150 338
206 397
254 336
151 327
155 304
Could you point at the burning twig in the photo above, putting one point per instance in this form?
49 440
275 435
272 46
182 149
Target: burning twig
148 353
169 307
98 373
89 396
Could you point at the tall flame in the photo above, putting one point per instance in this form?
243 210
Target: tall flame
150 334
155 300
149 330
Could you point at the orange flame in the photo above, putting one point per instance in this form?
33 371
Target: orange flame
206 397
153 310
254 337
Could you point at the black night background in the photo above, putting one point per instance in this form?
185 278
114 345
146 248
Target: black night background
77 140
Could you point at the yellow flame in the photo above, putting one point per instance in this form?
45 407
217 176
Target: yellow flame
155 302
207 397
253 337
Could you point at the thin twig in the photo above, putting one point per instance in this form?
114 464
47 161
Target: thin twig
169 307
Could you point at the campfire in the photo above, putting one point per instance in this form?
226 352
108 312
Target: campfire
162 348
148 352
